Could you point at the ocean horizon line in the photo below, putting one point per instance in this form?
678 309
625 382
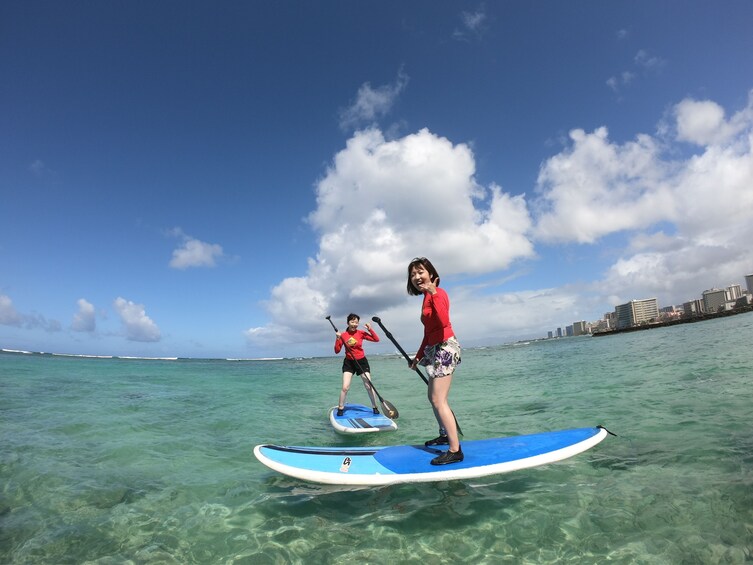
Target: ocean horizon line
141 358
13 351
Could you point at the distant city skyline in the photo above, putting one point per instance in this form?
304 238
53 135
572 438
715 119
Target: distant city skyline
641 310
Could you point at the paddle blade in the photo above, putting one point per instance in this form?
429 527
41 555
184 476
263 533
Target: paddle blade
389 410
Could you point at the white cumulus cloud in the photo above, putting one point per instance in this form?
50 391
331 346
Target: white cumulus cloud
597 187
703 122
194 252
138 326
85 319
381 203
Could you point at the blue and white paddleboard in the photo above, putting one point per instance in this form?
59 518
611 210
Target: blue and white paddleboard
359 419
411 463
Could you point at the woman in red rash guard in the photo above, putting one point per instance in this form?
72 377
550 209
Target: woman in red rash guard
355 361
439 353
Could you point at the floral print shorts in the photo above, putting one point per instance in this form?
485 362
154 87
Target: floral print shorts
441 359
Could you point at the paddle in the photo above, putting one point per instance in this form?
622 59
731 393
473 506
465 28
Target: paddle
389 409
410 361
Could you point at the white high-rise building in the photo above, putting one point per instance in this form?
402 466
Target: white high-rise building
580 328
734 291
693 307
713 299
749 283
636 311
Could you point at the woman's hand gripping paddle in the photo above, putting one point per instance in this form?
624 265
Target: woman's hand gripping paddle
387 407
409 360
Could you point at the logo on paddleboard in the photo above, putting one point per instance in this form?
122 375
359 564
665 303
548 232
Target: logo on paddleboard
346 465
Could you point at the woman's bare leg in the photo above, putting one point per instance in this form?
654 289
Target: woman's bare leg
346 387
439 389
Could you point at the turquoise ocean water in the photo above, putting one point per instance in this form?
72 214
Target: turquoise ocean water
114 461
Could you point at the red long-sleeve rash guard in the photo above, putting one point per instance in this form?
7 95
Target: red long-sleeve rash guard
355 342
435 315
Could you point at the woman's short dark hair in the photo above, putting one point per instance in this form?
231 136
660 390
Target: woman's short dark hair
352 316
426 264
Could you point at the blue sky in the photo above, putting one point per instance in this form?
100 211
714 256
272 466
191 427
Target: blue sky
201 179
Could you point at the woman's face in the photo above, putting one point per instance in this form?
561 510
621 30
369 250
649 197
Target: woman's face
419 277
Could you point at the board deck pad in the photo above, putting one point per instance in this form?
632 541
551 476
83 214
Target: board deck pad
412 463
359 419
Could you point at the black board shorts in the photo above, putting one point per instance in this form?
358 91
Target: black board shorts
361 366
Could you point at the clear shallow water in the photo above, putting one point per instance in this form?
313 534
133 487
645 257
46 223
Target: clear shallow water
127 461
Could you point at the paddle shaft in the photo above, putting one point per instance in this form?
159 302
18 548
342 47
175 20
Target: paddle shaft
388 407
378 320
399 348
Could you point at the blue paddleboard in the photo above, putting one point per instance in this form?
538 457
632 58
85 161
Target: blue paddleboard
411 463
359 419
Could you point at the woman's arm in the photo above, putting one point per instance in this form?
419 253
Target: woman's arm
372 335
